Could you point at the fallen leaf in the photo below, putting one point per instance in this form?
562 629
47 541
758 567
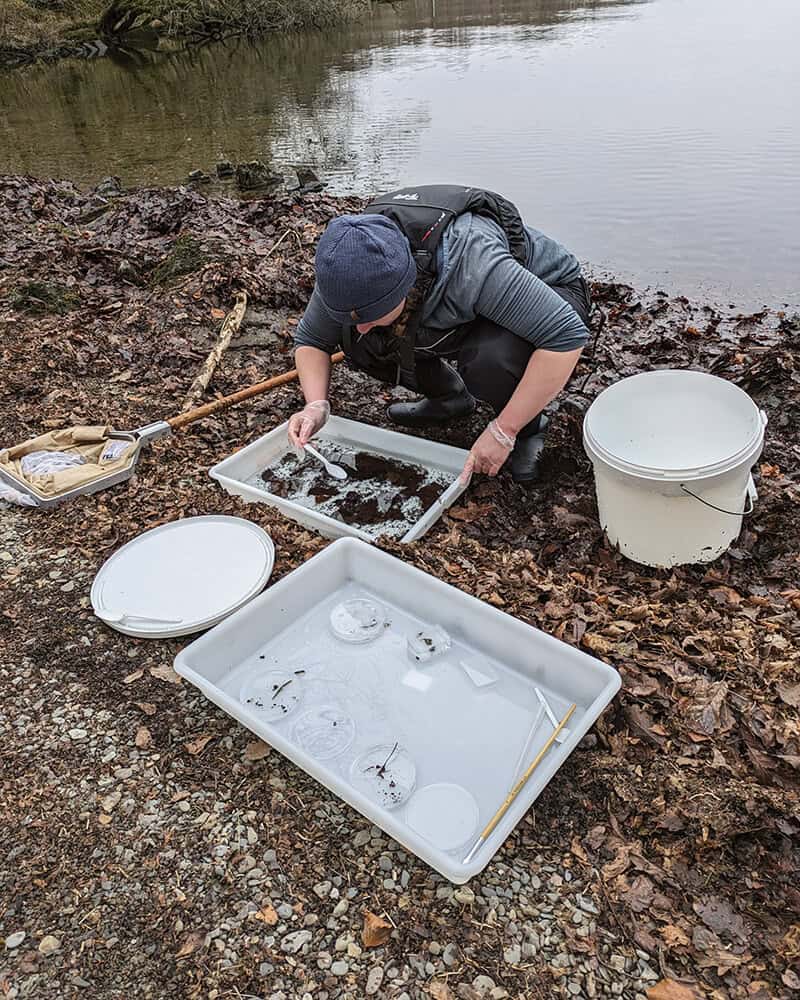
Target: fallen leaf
720 916
671 821
133 677
639 895
708 712
257 750
669 989
375 931
198 744
267 915
712 954
789 946
143 738
619 864
726 595
791 979
790 694
642 724
165 673
147 707
217 313
674 936
470 512
190 944
439 990
597 643
578 851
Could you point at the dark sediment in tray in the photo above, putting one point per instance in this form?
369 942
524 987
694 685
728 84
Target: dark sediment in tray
378 491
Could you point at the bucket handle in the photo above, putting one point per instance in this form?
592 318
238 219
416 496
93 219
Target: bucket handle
752 496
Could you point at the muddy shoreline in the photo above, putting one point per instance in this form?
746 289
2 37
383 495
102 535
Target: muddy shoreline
676 820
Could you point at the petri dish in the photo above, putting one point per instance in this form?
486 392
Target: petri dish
359 619
272 695
386 774
324 732
428 643
444 814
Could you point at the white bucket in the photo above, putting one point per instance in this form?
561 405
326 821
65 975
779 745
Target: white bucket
672 453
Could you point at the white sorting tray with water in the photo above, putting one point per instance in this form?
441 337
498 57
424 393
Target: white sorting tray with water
239 474
425 744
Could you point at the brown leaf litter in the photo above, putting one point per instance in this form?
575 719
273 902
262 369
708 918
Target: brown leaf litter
681 805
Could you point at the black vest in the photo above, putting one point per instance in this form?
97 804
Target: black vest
423 213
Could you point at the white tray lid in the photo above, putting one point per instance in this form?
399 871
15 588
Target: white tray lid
195 571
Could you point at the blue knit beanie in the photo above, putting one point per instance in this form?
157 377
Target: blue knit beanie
364 266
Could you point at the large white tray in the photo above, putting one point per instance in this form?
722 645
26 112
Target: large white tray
455 731
234 472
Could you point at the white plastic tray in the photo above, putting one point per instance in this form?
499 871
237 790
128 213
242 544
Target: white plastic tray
234 472
457 732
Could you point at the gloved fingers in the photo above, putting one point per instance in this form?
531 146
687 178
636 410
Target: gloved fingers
306 430
469 468
295 423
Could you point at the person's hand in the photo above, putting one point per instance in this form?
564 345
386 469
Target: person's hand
489 452
308 422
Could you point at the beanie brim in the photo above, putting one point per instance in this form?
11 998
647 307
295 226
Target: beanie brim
371 311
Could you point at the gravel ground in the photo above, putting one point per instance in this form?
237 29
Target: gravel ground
152 844
151 847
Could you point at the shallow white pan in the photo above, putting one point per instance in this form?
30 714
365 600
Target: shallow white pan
237 472
451 711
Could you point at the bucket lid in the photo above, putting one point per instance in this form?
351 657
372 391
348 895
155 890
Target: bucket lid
673 425
183 577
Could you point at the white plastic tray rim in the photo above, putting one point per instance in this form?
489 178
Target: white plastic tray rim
386 820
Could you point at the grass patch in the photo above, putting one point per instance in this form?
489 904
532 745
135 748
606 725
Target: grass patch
186 255
34 24
42 298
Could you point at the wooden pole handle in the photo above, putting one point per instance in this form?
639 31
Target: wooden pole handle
238 397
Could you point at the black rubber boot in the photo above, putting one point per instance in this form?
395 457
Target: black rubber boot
446 397
526 454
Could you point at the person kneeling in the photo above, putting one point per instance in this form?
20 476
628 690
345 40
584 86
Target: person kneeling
440 273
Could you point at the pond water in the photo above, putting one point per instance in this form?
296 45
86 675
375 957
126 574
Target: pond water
656 138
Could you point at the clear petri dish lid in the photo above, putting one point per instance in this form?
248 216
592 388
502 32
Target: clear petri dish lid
324 732
359 619
444 814
428 643
272 695
386 774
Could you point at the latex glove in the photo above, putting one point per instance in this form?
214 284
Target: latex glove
308 422
489 452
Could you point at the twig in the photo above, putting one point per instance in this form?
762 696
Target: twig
232 323
285 684
280 240
593 350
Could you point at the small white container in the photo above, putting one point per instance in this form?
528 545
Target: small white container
672 453
436 732
234 472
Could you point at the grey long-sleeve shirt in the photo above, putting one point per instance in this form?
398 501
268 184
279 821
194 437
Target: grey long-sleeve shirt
477 276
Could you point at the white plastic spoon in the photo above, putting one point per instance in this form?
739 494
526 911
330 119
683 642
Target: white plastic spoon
333 470
113 616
